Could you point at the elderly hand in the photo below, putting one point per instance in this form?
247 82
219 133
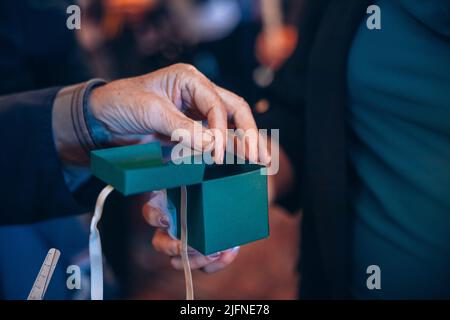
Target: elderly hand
163 101
169 99
156 214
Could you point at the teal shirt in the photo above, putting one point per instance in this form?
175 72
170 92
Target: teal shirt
399 121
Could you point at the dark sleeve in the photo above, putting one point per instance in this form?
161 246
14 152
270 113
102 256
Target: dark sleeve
16 75
286 97
32 185
37 50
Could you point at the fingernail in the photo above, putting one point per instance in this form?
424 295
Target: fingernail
208 141
219 156
236 249
164 222
191 251
214 256
266 159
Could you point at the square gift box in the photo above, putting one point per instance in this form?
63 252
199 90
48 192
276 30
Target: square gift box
227 204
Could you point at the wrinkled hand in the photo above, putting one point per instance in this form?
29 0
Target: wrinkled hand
169 99
163 101
155 213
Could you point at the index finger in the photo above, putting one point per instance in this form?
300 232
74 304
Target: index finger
241 114
202 93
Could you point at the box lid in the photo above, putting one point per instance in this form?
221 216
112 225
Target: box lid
141 168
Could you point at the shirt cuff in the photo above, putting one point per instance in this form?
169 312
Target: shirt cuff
75 131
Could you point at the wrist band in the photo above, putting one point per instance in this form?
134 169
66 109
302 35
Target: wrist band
99 135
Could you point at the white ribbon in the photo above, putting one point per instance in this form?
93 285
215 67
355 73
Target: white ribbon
95 247
184 246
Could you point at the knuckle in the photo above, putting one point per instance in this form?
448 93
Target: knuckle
155 243
242 101
186 67
170 122
245 107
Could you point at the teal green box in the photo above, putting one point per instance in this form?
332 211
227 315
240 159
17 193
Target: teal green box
140 168
227 204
